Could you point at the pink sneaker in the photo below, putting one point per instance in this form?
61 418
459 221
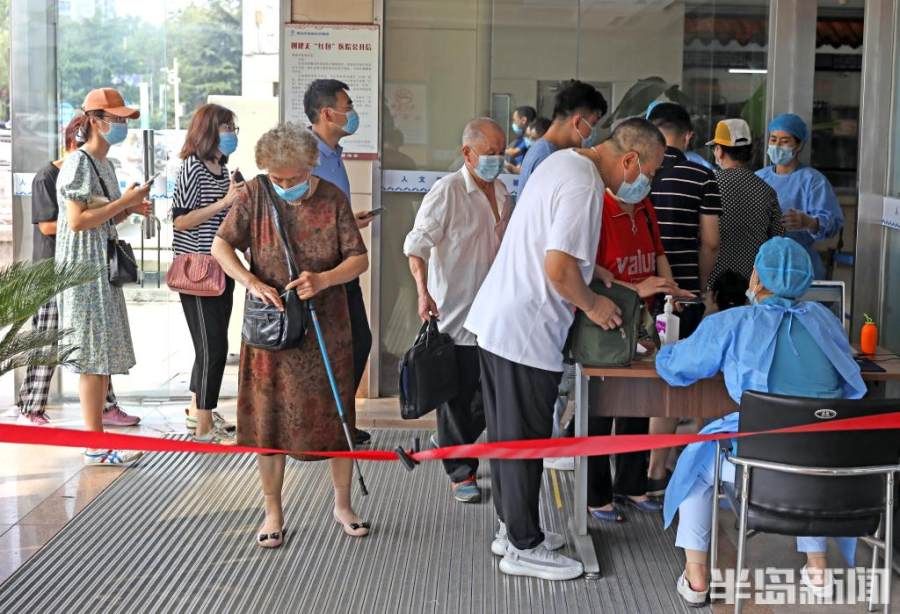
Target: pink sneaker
115 416
40 419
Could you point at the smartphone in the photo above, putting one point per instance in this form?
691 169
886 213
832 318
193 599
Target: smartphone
152 179
375 212
237 177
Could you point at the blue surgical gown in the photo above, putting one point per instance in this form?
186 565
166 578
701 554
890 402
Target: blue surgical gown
740 342
807 190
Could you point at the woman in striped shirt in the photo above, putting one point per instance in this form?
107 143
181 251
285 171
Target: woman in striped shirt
198 208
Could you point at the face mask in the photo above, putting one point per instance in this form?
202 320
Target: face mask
352 124
780 155
586 141
228 143
635 191
292 193
528 142
489 167
751 296
117 132
517 129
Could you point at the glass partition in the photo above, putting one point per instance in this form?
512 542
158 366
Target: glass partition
446 64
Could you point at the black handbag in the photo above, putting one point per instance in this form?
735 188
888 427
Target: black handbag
265 327
428 375
121 264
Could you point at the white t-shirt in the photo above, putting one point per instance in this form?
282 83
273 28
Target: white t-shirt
517 314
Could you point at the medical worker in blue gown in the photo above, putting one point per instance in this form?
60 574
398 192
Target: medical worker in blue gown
776 344
810 206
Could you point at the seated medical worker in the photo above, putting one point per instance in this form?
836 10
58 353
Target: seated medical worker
776 344
810 206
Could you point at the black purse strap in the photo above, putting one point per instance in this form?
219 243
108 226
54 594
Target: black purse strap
293 270
97 172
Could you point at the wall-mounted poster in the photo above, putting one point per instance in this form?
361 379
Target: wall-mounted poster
346 52
407 105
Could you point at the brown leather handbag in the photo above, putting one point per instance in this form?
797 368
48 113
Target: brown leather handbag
196 275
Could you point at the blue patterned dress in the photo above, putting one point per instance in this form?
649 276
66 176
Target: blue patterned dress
95 312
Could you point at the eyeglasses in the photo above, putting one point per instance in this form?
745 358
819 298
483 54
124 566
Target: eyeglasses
112 119
230 128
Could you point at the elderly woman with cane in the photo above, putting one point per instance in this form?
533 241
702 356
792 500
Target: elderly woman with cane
285 397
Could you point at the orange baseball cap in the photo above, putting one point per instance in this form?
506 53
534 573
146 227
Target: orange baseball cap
110 101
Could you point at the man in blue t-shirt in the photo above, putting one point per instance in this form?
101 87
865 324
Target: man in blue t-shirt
515 153
577 109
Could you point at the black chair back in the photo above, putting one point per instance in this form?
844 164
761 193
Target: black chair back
818 497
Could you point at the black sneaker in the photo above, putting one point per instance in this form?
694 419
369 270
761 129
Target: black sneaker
657 488
361 437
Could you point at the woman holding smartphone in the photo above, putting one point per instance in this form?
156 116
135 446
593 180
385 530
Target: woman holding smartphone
198 208
90 206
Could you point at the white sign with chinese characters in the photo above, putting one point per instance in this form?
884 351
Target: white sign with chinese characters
346 52
419 182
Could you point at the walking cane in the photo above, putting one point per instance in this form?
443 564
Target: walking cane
336 393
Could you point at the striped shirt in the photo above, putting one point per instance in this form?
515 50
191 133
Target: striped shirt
196 187
683 191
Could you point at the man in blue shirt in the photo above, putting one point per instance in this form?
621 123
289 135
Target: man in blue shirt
522 116
577 109
331 115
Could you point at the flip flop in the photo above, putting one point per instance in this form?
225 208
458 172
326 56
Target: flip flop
613 515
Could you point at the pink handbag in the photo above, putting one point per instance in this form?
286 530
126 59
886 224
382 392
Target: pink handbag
197 275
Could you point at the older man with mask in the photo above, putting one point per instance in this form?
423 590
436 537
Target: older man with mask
522 314
451 246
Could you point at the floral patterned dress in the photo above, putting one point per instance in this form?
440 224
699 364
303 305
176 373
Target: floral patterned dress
95 311
284 398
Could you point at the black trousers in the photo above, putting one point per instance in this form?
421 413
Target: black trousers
631 469
518 404
461 420
359 330
207 319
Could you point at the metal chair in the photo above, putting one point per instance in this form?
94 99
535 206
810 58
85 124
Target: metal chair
835 484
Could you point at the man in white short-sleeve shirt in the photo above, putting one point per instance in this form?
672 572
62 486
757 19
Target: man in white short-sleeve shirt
522 314
451 246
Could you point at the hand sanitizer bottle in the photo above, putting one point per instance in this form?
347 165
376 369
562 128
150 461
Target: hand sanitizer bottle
667 323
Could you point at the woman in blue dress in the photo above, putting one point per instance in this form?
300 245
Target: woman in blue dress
776 344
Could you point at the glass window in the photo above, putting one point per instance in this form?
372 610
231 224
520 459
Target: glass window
444 66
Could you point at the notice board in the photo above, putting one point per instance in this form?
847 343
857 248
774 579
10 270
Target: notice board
346 52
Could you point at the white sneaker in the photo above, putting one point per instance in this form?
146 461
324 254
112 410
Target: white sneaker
540 562
553 541
561 463
111 458
819 591
695 599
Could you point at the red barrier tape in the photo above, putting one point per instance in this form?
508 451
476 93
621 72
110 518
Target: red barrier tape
507 450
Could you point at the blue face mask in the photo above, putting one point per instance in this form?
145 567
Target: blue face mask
528 142
292 193
352 124
228 143
780 155
489 167
517 129
117 132
635 191
587 141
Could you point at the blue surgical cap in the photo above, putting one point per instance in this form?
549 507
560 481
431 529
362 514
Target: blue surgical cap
790 123
784 267
650 108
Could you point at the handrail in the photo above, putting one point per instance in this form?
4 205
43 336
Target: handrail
815 471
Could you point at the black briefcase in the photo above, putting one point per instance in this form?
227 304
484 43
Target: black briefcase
427 372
